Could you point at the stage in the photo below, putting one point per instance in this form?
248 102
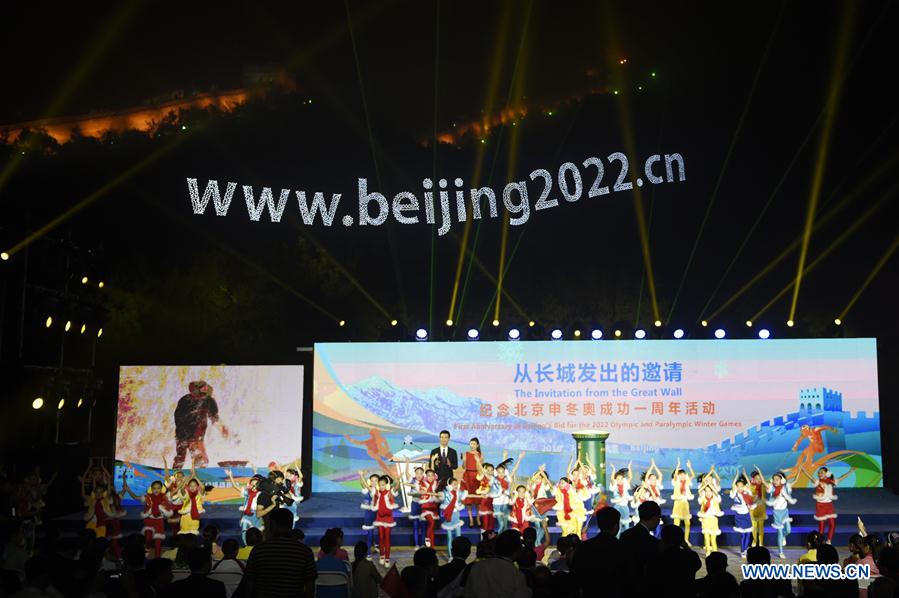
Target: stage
877 508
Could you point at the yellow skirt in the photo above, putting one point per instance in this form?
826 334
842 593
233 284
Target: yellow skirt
99 532
681 509
758 512
710 525
189 525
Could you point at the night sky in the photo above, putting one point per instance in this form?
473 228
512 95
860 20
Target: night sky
186 288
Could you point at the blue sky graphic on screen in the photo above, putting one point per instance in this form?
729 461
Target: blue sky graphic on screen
791 405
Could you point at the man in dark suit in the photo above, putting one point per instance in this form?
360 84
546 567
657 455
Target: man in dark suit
598 563
674 572
461 549
197 584
640 546
444 460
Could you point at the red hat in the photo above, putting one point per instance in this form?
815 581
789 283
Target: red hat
198 388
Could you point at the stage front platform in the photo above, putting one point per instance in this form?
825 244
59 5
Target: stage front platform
877 507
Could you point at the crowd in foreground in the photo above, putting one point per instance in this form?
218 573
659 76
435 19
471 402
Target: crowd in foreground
510 564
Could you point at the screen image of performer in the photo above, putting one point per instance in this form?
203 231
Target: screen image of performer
444 460
192 416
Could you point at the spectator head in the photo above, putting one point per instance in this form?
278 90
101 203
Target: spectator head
486 547
650 514
508 544
542 579
461 547
893 539
872 544
488 534
716 562
758 555
426 559
608 520
529 535
184 542
328 544
565 544
416 581
199 560
280 522
813 540
254 536
888 561
527 560
210 534
672 535
360 551
855 544
827 555
133 555
230 548
299 535
159 572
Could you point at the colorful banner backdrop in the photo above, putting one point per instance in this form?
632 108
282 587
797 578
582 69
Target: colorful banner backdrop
790 405
214 417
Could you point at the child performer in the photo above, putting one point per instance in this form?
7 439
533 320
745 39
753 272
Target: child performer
709 512
759 512
156 511
502 491
621 496
294 482
541 490
452 505
250 494
413 488
522 509
652 482
824 497
472 463
570 511
681 497
174 490
430 500
369 490
485 493
192 506
742 505
96 502
114 516
383 506
780 497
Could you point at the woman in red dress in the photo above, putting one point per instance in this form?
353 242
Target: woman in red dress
470 482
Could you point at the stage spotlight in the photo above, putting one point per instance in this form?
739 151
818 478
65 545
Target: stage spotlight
101 284
838 321
764 333
83 328
556 334
99 333
617 334
790 323
639 334
577 334
531 324
449 322
393 322
68 325
60 404
80 403
473 334
596 334
657 323
421 334
514 334
37 403
704 323
749 323
341 323
49 321
495 323
4 256
84 280
679 333
719 333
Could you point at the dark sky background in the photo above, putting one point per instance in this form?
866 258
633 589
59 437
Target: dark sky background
185 288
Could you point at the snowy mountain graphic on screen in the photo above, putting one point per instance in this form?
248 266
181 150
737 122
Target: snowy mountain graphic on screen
429 411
